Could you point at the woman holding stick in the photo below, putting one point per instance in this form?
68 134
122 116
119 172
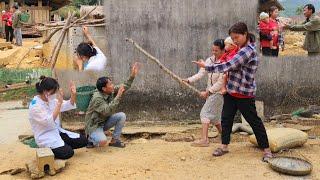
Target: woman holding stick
241 88
211 110
90 57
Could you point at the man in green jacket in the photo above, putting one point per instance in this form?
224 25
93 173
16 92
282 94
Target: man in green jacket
17 24
101 114
312 28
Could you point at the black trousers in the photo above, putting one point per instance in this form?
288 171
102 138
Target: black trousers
66 151
9 33
247 108
266 51
275 52
270 52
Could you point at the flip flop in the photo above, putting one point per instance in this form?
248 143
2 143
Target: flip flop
267 156
219 152
118 144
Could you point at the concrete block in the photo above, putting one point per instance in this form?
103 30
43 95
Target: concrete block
44 158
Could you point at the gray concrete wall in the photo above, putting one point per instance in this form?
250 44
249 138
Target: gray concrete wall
177 32
279 78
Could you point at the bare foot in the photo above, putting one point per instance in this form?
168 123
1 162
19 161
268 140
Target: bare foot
200 143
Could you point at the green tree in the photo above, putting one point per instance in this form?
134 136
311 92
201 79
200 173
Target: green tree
299 10
78 3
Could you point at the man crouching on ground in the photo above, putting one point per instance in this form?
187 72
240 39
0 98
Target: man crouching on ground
101 116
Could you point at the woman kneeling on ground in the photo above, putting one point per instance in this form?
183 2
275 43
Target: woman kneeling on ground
90 57
211 110
241 89
44 118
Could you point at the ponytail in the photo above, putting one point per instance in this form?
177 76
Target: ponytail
86 49
46 84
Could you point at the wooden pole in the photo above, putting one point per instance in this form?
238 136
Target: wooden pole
50 35
58 45
67 27
166 70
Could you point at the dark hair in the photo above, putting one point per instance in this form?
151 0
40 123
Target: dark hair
272 9
86 49
219 43
242 28
310 7
16 6
47 84
102 82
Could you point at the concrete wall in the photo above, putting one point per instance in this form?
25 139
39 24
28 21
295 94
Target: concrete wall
176 32
279 78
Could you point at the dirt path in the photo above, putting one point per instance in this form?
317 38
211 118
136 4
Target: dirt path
147 158
13 122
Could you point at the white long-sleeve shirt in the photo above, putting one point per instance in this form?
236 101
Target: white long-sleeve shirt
97 62
46 130
215 80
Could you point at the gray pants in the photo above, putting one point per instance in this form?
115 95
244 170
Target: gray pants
18 36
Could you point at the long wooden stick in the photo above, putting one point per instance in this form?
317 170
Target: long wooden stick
58 45
166 70
50 35
2 90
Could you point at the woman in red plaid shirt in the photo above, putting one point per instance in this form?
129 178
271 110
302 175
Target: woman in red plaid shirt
241 89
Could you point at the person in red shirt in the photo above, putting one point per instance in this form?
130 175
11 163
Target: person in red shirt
267 28
231 50
7 19
278 39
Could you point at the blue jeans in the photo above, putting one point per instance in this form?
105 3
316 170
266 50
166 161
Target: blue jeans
117 121
18 36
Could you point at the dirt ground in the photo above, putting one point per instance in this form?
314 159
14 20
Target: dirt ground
293 44
29 55
148 157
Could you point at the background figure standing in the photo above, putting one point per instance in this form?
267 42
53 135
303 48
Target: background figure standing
17 24
312 28
7 19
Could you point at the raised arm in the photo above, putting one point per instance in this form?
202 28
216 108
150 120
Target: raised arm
127 85
240 58
88 35
312 25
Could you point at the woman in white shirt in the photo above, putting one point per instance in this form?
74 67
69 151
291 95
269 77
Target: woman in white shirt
44 111
212 109
90 57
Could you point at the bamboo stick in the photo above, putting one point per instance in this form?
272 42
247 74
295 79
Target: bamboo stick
65 26
2 90
50 35
58 45
166 70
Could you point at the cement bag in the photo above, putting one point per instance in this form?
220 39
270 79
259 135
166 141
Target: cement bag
283 138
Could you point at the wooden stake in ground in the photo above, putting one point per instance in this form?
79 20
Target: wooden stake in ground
166 70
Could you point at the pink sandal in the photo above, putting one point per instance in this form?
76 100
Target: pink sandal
219 152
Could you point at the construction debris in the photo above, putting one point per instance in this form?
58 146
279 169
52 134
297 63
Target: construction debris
32 168
13 171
